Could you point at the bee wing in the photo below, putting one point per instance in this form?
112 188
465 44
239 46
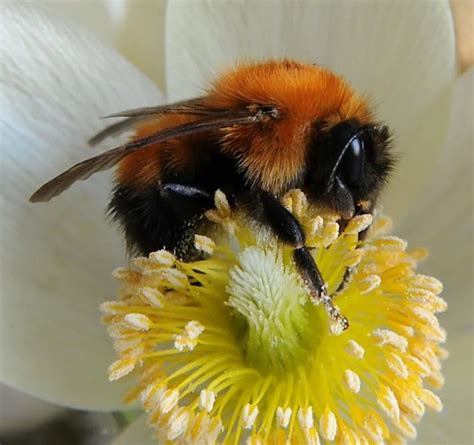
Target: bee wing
116 129
193 106
106 160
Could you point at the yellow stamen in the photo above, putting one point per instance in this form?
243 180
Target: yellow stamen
204 244
388 402
358 224
283 416
249 414
178 423
370 283
140 322
328 425
355 349
168 400
121 368
163 258
206 400
152 296
305 418
352 381
391 338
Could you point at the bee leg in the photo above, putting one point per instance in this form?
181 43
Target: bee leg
288 229
188 192
186 200
361 208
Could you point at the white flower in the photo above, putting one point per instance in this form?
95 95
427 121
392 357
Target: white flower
57 80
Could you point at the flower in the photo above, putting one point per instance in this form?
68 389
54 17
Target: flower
57 79
230 347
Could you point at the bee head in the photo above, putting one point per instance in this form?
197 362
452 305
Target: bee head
349 164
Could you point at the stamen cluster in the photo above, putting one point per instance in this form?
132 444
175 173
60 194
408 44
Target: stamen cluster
230 347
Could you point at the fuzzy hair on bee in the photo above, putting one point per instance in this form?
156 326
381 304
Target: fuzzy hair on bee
260 130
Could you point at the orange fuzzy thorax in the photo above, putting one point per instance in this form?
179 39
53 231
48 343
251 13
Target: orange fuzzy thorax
274 154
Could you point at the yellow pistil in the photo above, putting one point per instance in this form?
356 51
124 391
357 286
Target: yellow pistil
230 348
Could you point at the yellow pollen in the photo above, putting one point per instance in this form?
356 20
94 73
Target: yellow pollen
352 381
184 342
168 400
428 283
163 258
204 244
370 283
391 243
152 296
222 205
430 399
140 322
194 329
374 428
358 224
120 273
151 396
407 428
305 418
121 368
229 349
314 226
328 425
311 437
254 439
353 258
222 214
388 402
206 400
355 349
330 233
391 338
411 403
395 363
113 307
418 365
283 416
381 226
249 414
178 423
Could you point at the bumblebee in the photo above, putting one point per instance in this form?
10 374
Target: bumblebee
260 130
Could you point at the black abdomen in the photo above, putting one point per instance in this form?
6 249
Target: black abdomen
156 218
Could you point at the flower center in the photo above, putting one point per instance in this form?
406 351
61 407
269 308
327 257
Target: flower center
271 309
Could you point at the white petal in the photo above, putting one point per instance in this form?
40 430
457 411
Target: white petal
443 217
19 409
137 433
454 423
98 16
140 36
401 53
56 258
134 27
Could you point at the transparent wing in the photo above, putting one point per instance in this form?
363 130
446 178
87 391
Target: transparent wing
193 106
108 159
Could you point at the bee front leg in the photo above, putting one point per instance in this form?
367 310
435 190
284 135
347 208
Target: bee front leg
287 228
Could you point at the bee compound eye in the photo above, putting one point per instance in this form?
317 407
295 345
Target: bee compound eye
352 163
